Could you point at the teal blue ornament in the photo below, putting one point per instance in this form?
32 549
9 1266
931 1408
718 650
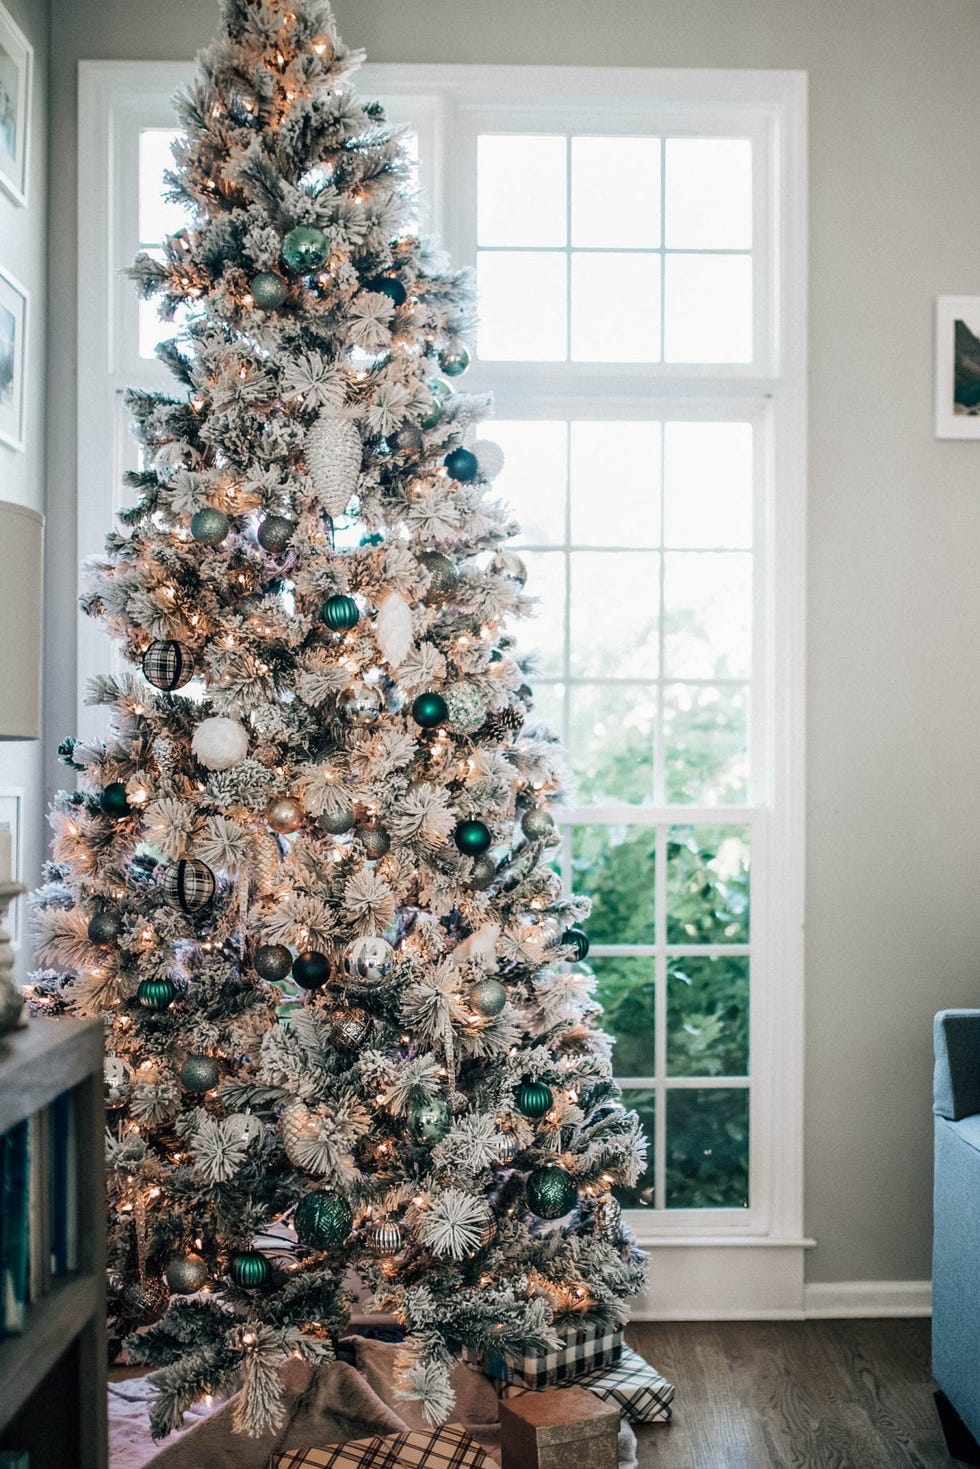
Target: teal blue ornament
473 838
577 940
311 970
250 1270
461 464
323 1220
156 994
269 290
430 1120
390 286
534 1099
430 710
454 362
432 416
113 800
551 1193
305 248
340 613
210 526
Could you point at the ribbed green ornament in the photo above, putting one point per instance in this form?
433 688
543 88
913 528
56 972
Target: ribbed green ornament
250 1269
551 1193
429 710
114 801
156 994
305 248
340 613
473 838
534 1098
323 1219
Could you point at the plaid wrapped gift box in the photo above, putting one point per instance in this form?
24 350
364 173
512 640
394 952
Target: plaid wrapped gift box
636 1387
442 1448
581 1351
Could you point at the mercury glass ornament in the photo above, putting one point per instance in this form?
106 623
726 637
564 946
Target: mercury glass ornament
370 960
114 801
429 1121
454 361
361 704
269 290
185 1274
351 1027
388 285
442 572
118 1082
155 994
336 822
534 1098
285 814
551 1192
272 962
340 613
242 1127
504 1147
311 970
467 708
199 1073
305 249
275 533
210 526
409 439
104 927
482 873
188 884
537 824
462 465
506 563
432 416
385 1239
473 838
250 1269
429 710
322 1220
167 665
487 997
577 940
375 840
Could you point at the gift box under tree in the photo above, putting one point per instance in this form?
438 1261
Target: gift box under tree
582 1350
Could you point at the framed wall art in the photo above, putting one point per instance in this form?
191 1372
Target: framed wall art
13 344
958 367
16 76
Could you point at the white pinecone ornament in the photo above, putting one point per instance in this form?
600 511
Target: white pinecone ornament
333 460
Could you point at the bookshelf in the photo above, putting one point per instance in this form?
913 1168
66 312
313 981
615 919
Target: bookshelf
53 1373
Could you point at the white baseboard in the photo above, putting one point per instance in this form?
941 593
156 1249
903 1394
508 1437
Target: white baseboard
867 1298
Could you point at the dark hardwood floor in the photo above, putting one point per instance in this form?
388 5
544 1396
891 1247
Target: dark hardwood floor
793 1395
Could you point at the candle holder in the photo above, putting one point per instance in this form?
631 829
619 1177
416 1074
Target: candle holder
11 1000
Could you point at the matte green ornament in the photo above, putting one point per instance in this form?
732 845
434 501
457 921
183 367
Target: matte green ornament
534 1098
473 838
487 997
340 613
551 1193
156 994
323 1219
430 1120
185 1274
305 248
105 926
272 962
250 1269
430 710
390 286
210 526
269 290
199 1073
454 362
577 940
311 970
461 464
113 800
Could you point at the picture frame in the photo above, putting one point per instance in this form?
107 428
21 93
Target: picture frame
958 367
13 351
16 83
12 820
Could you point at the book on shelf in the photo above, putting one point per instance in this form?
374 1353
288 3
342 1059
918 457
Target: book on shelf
63 1174
15 1248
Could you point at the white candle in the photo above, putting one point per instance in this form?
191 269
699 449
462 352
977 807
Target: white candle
6 856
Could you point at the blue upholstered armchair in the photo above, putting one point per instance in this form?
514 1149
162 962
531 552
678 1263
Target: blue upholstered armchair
956 1238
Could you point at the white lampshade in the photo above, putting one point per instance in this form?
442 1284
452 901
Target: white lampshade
21 551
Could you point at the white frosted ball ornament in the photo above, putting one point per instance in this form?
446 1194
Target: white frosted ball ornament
220 743
333 460
489 457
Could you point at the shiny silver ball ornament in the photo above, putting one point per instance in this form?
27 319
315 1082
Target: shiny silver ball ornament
336 822
482 873
429 1121
199 1073
361 704
454 360
466 706
538 824
275 533
118 1082
369 961
504 1147
442 572
505 563
285 814
374 839
305 248
487 997
384 1240
185 1274
351 1027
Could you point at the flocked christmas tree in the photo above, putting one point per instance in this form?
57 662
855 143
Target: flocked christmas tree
306 881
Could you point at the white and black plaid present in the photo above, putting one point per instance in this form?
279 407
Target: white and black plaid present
581 1351
636 1387
448 1447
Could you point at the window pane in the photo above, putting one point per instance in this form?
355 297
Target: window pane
615 866
706 737
522 306
616 192
534 477
152 329
707 614
612 736
641 1101
521 190
615 308
708 193
707 484
157 217
620 459
707 885
544 631
708 308
624 989
708 1016
708 1148
614 605
548 706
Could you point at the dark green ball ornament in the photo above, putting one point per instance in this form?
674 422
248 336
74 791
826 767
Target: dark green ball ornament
275 533
430 710
272 962
323 1220
461 464
340 613
156 994
577 940
199 1073
311 970
551 1193
104 927
305 248
534 1098
390 286
487 997
473 838
113 801
250 1269
454 362
210 526
430 1121
269 290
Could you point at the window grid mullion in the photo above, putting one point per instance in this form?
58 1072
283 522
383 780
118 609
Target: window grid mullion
660 1023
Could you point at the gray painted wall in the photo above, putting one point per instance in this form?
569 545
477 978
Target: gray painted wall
893 900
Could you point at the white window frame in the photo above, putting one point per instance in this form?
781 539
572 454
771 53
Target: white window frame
711 1264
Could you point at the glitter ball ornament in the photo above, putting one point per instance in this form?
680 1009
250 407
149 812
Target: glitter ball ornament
482 873
275 533
305 249
551 1193
361 704
489 456
473 838
113 800
242 1127
333 452
384 1240
534 1098
323 1220
285 814
269 290
370 960
351 1027
537 824
336 822
311 970
188 884
185 1274
429 710
340 613
429 1121
167 665
462 465
375 840
155 994
577 940
272 962
250 1269
388 285
117 1079
409 440
199 1073
219 743
454 361
467 708
487 997
210 526
104 927
442 572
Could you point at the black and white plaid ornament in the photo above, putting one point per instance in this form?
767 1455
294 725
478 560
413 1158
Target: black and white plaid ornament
167 665
188 884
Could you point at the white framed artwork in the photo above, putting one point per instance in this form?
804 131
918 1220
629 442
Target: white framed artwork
958 367
13 345
16 77
12 825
